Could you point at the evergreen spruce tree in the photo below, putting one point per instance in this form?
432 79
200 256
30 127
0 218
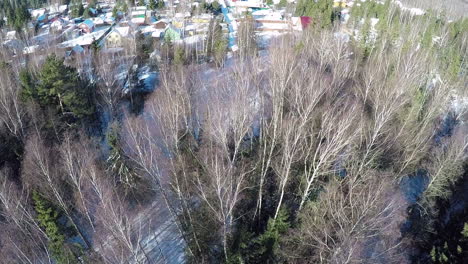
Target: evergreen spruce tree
16 13
283 3
263 248
268 242
77 8
47 217
160 4
216 42
179 55
215 7
117 161
28 90
60 87
93 3
87 13
152 5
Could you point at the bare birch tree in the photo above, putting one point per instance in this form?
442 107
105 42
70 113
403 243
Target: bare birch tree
21 239
12 111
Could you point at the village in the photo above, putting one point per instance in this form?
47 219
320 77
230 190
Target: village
110 26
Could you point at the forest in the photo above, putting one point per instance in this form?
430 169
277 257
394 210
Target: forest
315 149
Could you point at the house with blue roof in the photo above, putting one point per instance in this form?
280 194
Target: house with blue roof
87 26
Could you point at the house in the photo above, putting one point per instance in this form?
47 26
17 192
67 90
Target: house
138 17
158 34
75 52
38 12
160 25
190 30
296 23
305 21
87 26
157 29
44 18
345 15
58 24
171 34
108 18
244 6
58 8
201 19
115 38
339 4
98 21
151 20
93 11
178 23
